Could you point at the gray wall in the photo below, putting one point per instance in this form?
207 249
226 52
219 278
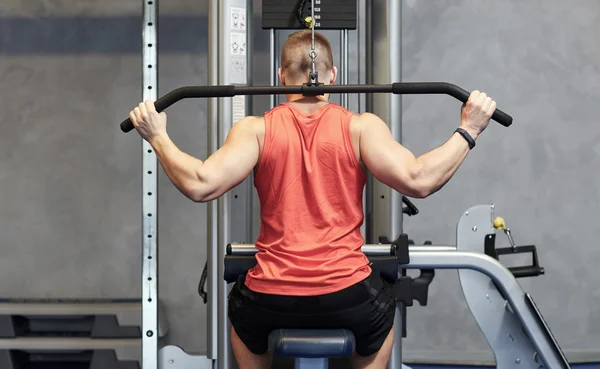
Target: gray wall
539 60
70 217
70 200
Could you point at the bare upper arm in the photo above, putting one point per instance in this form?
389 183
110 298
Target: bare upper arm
233 162
389 161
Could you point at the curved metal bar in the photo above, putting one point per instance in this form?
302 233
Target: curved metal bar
505 282
418 88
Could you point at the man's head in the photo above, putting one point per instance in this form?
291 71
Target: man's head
296 63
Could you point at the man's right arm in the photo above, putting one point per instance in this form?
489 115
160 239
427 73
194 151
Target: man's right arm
397 167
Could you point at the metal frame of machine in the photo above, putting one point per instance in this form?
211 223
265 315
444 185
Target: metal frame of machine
482 277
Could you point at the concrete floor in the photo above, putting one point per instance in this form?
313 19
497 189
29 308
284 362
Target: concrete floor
341 364
575 366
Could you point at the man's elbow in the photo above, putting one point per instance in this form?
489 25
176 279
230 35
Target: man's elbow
418 191
419 194
199 193
424 188
418 185
197 198
414 189
201 188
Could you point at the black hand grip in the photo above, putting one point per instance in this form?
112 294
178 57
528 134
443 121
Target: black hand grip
420 286
202 284
410 208
127 125
448 89
527 271
185 93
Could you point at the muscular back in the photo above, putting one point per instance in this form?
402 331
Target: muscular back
310 183
356 126
374 147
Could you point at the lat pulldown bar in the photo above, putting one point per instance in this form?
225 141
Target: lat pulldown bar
398 88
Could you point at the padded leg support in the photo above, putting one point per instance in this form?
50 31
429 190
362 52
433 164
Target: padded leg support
312 343
311 363
311 347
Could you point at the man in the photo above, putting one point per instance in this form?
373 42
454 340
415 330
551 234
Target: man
310 158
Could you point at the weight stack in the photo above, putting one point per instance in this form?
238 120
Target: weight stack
71 334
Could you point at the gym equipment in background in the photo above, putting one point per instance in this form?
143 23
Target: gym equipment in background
507 316
94 334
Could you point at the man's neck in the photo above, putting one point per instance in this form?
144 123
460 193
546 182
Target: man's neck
307 100
308 104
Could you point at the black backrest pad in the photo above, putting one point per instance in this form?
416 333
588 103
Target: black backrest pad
236 265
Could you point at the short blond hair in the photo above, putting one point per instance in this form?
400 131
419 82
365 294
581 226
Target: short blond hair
295 56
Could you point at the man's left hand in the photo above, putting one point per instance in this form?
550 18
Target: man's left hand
148 122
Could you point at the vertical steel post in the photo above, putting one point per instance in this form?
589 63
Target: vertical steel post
344 65
233 225
362 50
212 336
149 195
273 63
386 67
362 105
249 196
223 203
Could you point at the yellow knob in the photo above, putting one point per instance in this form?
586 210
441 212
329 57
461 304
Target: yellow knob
309 21
499 223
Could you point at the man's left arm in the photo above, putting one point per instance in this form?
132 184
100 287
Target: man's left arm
201 181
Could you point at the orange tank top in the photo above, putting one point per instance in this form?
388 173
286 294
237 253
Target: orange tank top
310 186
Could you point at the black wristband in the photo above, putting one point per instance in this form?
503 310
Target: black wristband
467 137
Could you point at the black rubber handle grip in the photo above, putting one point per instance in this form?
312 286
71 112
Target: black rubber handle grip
411 209
448 89
185 93
527 271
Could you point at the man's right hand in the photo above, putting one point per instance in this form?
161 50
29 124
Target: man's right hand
476 113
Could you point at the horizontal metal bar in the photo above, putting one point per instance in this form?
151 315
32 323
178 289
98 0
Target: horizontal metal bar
378 250
448 259
312 90
429 248
67 343
56 308
241 249
370 250
191 92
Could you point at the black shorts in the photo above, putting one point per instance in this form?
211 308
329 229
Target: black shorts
366 308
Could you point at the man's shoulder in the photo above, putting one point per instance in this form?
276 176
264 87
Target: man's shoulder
255 124
250 121
363 119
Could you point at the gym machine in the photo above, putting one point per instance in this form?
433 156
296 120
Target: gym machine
482 276
94 334
507 316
